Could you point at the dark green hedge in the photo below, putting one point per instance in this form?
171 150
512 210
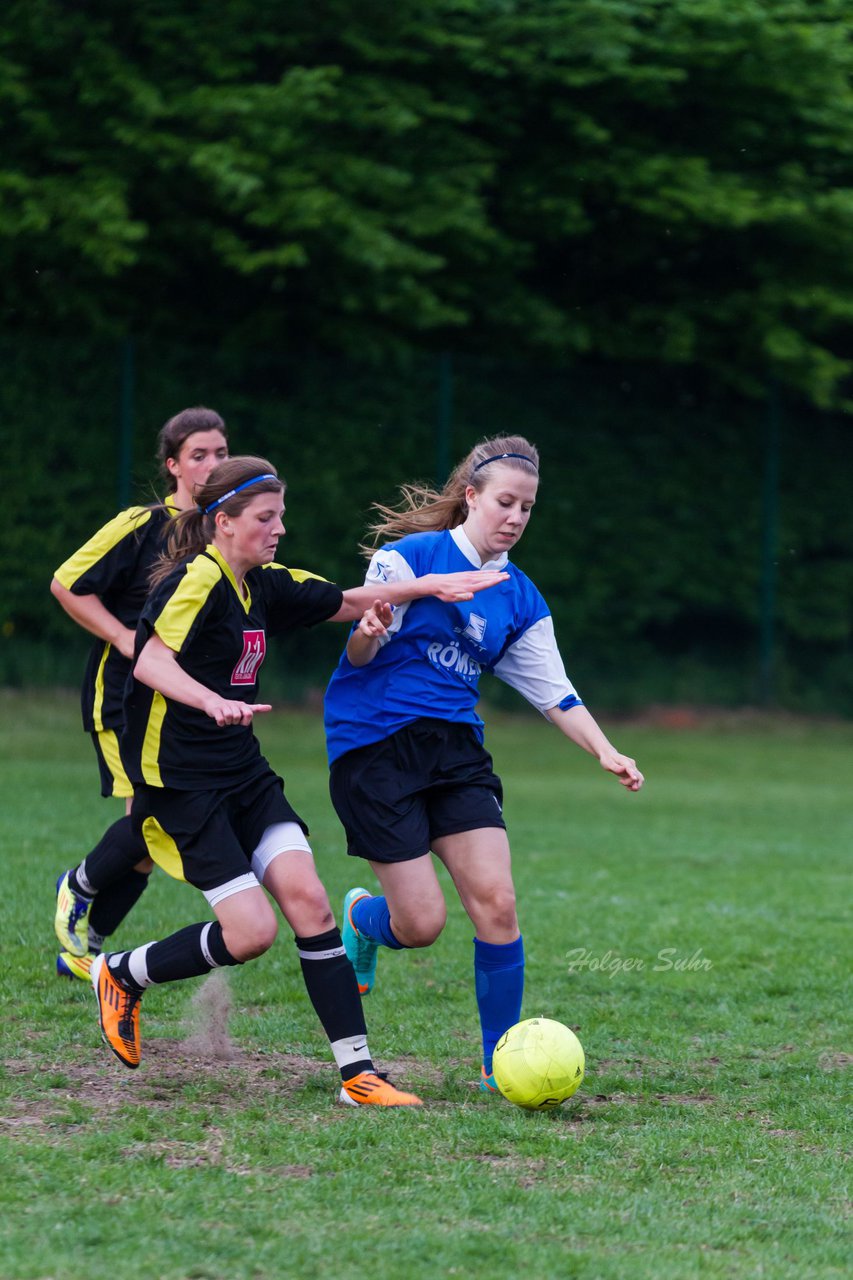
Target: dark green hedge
649 538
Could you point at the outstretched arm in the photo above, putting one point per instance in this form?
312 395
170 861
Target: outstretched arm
450 587
93 616
157 666
578 725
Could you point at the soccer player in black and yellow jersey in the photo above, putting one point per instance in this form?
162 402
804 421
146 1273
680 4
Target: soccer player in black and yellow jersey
209 807
103 587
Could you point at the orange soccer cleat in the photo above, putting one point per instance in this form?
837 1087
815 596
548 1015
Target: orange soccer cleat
118 1013
372 1090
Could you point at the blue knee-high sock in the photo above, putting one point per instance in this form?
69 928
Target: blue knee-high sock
499 977
372 918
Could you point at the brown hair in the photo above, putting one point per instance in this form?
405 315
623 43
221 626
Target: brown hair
192 530
422 510
178 429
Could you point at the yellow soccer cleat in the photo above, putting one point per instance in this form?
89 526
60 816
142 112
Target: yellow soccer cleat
118 1013
71 920
69 966
372 1090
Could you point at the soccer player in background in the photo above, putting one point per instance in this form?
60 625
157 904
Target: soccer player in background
208 805
409 772
102 587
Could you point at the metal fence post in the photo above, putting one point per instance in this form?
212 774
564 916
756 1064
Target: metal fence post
769 549
125 420
444 421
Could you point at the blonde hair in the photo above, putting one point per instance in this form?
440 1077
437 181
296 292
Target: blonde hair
192 530
425 510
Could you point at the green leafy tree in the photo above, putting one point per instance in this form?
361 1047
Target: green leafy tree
652 180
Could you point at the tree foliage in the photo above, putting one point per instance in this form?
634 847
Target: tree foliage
635 179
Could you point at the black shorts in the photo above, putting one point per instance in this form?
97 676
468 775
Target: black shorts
208 837
429 779
114 779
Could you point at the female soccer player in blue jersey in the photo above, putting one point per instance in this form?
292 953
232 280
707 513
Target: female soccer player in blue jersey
208 805
409 772
102 587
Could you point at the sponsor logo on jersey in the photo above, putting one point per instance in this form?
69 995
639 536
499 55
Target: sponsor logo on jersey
476 628
451 657
254 652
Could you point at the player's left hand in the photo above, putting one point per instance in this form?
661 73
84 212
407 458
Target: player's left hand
453 588
227 711
624 768
376 620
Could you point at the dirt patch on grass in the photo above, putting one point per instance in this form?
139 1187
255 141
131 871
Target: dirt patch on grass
637 1100
835 1061
206 1069
171 1072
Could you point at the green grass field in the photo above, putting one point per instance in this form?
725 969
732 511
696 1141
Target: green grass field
695 935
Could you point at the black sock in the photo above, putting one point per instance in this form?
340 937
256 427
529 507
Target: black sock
113 903
333 990
189 953
117 852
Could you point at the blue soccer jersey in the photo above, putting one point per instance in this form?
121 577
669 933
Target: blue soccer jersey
430 663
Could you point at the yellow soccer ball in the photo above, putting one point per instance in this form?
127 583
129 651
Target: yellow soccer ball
538 1063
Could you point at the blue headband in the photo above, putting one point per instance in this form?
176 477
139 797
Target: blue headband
205 511
499 457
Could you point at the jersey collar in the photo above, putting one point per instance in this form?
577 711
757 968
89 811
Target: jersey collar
227 571
470 552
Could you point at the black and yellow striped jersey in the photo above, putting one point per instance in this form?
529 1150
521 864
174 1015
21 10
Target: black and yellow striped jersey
220 639
114 565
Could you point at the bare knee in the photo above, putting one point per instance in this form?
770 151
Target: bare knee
248 941
494 914
421 929
307 910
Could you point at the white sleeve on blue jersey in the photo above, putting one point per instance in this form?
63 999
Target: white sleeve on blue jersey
388 565
534 667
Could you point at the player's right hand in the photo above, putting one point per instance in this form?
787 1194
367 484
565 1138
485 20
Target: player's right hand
224 711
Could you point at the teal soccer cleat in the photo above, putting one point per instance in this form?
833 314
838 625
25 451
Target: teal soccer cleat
361 952
488 1084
